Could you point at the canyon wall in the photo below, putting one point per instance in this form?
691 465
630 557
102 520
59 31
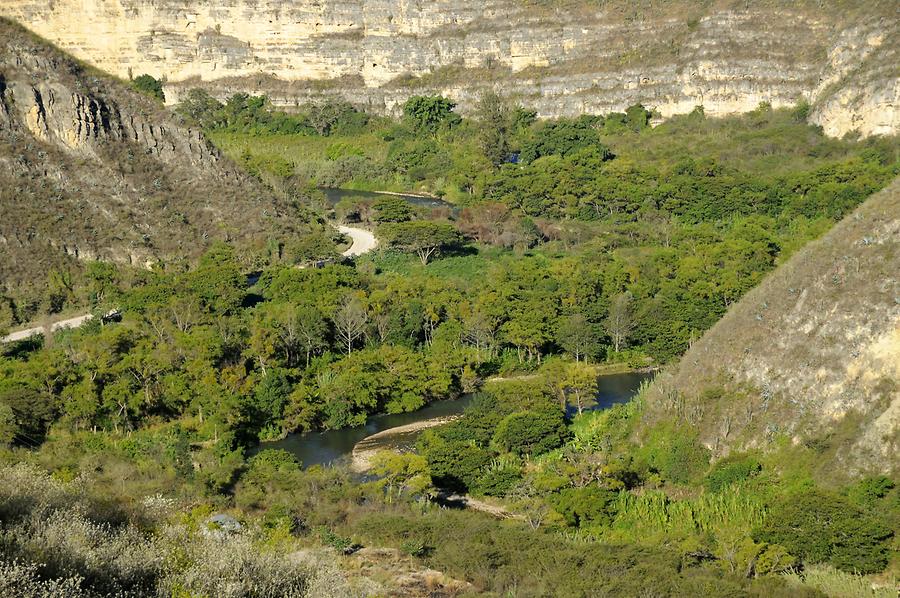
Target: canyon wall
561 58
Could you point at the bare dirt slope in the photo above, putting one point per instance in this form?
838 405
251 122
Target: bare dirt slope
812 354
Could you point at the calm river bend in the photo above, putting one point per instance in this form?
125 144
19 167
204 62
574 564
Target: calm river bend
323 448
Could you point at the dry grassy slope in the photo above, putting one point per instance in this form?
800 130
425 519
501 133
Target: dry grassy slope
91 169
812 353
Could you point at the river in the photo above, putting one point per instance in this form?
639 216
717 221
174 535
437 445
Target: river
323 448
333 196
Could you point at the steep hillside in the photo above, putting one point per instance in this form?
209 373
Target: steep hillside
561 57
813 353
91 169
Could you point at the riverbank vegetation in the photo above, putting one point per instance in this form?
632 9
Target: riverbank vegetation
573 243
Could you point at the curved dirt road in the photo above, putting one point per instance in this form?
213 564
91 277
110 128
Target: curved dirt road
363 241
21 335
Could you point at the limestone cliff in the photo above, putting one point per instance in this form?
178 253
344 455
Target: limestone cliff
91 169
560 57
812 354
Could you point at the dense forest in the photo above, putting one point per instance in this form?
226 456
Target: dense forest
572 247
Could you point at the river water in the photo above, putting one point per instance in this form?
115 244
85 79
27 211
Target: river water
323 448
333 196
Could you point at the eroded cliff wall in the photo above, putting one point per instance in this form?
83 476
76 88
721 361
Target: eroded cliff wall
559 57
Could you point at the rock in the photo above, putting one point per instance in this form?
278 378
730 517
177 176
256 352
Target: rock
220 526
824 365
562 61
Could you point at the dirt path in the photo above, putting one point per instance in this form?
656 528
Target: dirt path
21 335
468 502
363 241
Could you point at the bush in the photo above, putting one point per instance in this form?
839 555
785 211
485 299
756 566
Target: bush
339 543
821 527
454 465
498 481
416 548
150 86
730 471
531 432
869 490
676 454
590 505
562 138
832 582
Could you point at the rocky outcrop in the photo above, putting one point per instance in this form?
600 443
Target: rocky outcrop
811 355
61 110
560 58
90 169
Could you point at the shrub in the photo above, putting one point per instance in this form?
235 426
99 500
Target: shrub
340 543
676 454
417 548
562 138
821 527
497 481
730 471
869 490
150 86
832 582
590 505
531 432
454 465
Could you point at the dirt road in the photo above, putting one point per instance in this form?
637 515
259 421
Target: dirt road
69 323
363 240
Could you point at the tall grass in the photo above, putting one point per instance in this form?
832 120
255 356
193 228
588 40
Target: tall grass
838 584
654 513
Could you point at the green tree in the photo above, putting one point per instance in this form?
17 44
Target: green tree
311 247
453 465
7 314
620 323
637 117
150 86
492 116
563 138
59 290
585 506
429 113
389 208
201 108
530 432
580 384
578 336
336 118
734 469
217 281
9 430
350 319
398 472
422 237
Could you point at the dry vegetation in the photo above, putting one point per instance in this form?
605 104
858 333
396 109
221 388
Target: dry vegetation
811 354
90 169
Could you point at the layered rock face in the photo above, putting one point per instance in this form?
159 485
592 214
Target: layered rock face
92 170
811 355
561 58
